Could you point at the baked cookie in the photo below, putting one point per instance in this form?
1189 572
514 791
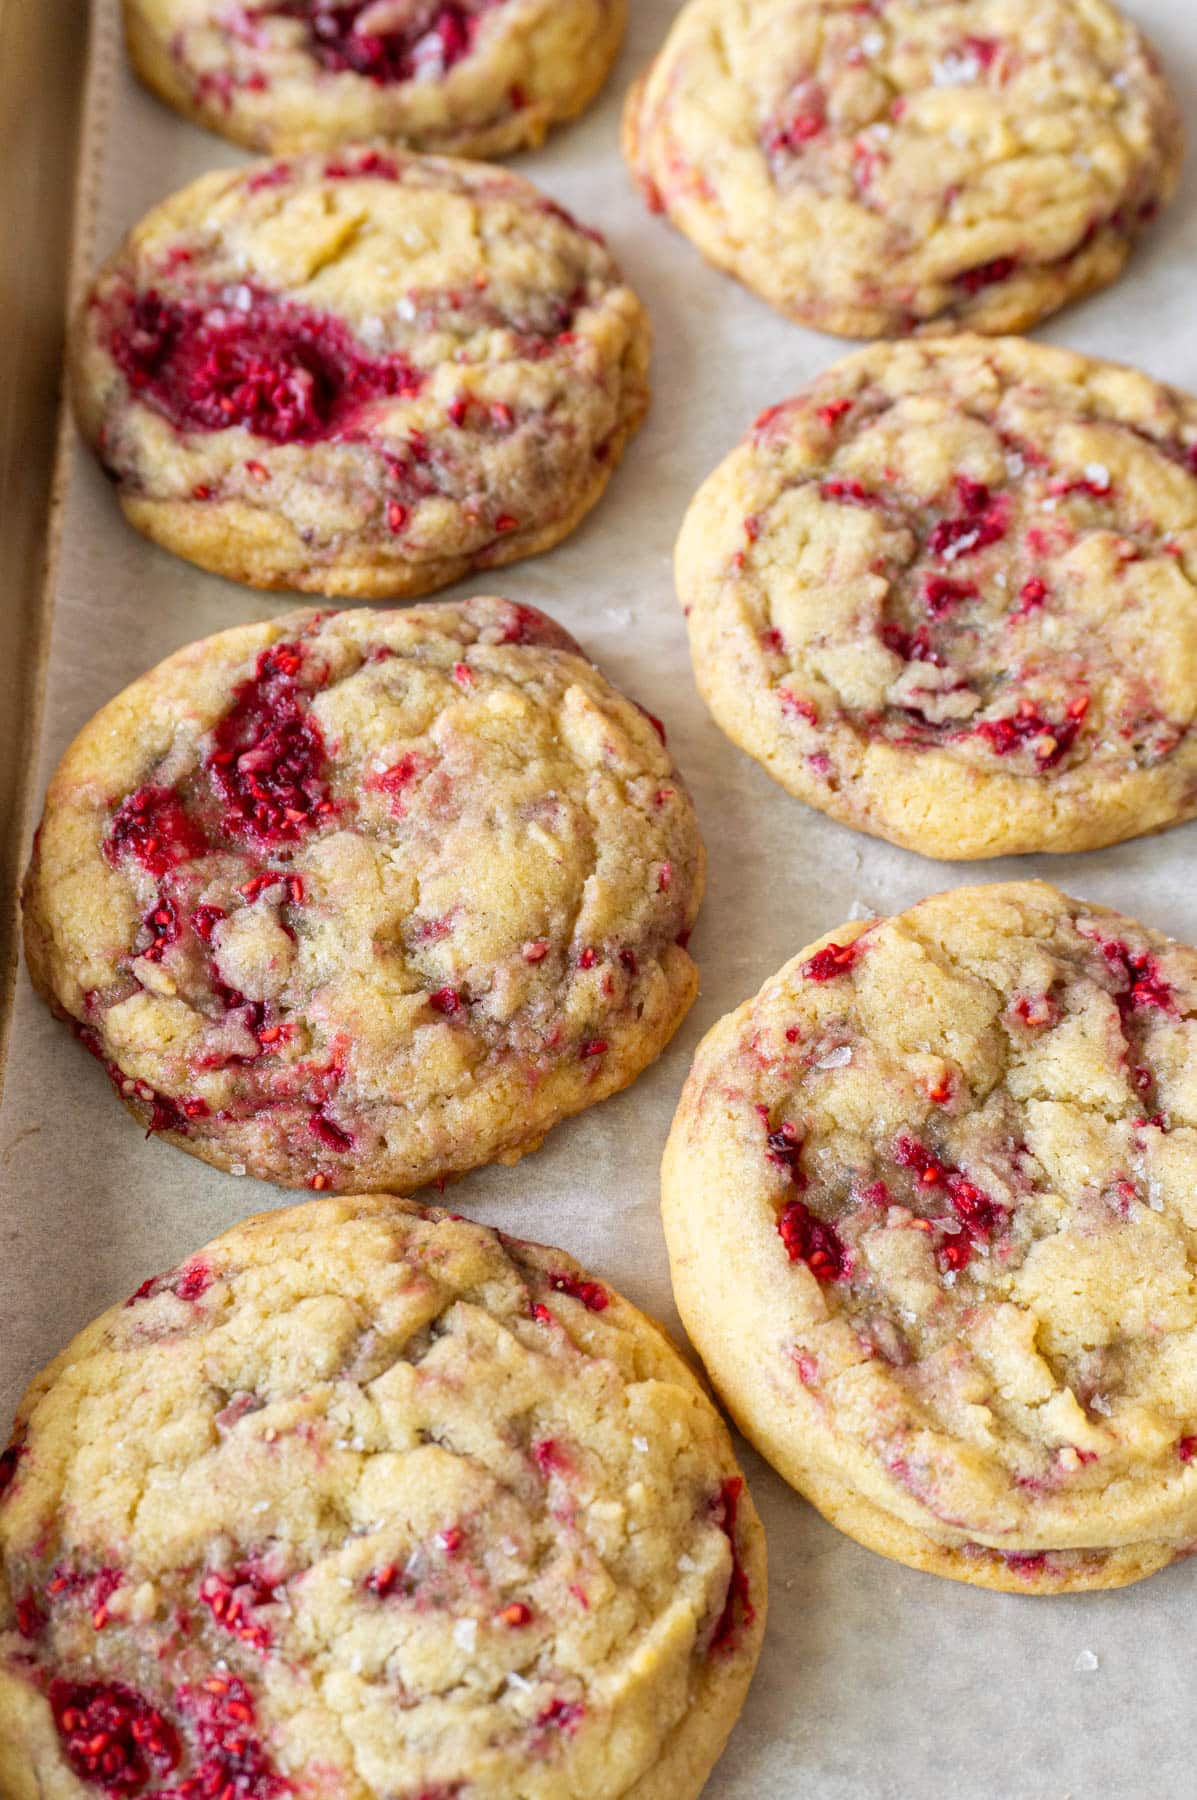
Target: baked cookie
464 77
367 1501
946 595
929 1201
362 374
363 900
877 167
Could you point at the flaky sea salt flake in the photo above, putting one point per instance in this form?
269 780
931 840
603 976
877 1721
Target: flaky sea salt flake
955 71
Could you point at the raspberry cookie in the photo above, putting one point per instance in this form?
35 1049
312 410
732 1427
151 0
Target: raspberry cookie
361 374
876 167
466 77
929 1200
362 900
371 1502
946 595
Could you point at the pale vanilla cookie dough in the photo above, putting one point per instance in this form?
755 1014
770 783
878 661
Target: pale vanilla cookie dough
362 900
931 1207
878 167
464 77
946 595
359 374
369 1502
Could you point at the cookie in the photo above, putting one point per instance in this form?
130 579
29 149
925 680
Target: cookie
929 1206
945 594
466 78
890 166
362 374
367 1501
360 901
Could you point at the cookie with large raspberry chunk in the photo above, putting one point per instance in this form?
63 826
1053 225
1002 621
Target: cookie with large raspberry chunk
363 900
361 374
368 1501
467 77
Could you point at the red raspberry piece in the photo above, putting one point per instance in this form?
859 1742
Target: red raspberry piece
152 827
285 373
831 960
808 1240
268 761
111 1735
592 1294
738 1610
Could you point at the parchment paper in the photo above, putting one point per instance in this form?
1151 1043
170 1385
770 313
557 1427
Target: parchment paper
875 1681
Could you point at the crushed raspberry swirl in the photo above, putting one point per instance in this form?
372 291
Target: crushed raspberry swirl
983 627
386 40
256 360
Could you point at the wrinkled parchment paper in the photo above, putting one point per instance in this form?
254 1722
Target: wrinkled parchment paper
875 1681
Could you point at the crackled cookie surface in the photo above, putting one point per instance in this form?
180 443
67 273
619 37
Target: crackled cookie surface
946 594
363 900
880 167
929 1200
368 1502
359 374
469 77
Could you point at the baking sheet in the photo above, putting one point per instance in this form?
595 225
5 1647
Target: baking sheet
39 131
875 1681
